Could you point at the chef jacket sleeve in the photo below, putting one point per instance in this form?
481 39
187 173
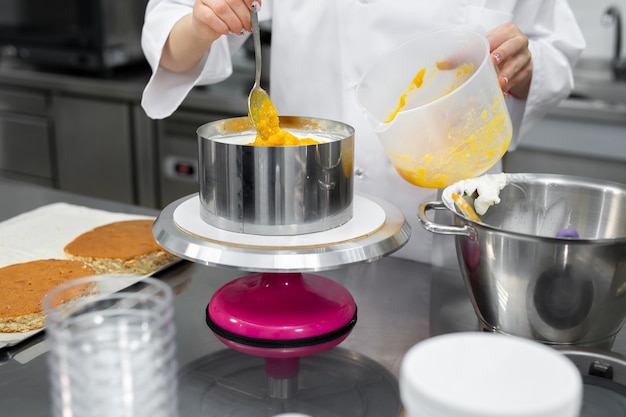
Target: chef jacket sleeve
166 90
555 42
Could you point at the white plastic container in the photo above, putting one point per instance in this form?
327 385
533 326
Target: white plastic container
455 125
488 375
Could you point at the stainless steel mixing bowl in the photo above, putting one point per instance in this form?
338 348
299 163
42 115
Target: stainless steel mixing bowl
524 280
276 190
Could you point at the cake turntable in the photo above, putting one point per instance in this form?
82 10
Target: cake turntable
282 321
281 213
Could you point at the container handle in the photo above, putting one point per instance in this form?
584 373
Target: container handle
439 228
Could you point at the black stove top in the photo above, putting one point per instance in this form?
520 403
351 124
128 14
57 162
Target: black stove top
604 379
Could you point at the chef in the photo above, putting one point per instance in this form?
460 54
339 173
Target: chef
321 48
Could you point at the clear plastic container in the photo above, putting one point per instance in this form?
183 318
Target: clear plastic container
112 351
454 124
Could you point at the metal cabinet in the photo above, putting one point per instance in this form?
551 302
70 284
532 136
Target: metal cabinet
26 141
94 147
178 152
90 136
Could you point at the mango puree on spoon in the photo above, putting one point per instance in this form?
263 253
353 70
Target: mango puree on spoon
268 129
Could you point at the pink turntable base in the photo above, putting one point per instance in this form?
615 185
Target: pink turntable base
281 317
282 314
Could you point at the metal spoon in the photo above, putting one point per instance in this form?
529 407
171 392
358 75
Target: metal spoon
257 94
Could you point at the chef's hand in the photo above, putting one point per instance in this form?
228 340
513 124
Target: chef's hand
213 18
510 54
194 33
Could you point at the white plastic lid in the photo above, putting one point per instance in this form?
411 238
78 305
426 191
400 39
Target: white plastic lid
488 375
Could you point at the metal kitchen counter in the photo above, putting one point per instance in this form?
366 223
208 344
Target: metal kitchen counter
400 303
127 84
392 296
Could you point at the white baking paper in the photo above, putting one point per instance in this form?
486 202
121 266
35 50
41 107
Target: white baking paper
42 234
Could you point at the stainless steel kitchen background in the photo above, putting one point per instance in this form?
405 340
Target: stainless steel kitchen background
586 134
88 134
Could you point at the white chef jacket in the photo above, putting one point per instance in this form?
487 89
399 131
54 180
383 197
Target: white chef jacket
321 48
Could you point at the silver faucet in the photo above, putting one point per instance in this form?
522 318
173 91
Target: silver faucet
613 15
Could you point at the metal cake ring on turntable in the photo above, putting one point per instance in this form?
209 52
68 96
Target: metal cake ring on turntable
386 238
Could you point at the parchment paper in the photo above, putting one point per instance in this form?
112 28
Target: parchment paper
43 233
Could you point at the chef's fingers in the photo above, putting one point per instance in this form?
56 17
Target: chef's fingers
222 16
515 74
507 40
510 54
519 84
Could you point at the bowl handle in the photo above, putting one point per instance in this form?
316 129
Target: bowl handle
439 228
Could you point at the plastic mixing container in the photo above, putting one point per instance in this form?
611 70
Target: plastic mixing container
437 107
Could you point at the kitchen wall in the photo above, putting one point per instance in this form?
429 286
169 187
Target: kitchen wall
599 35
583 136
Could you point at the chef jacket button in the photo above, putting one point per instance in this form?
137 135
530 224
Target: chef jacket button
359 173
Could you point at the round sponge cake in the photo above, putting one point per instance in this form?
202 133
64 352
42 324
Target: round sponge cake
24 285
124 247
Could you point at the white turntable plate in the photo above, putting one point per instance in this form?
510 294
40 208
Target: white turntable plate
367 217
376 229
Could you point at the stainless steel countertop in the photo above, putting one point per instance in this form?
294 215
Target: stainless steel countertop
400 303
392 296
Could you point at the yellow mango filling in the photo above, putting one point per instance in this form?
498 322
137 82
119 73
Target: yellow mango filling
269 132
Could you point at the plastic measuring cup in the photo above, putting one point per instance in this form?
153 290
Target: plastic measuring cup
455 124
